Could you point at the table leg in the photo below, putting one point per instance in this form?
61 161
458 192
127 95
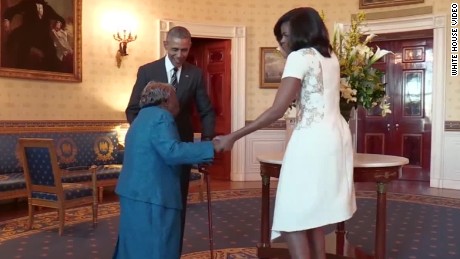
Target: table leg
380 224
340 238
265 217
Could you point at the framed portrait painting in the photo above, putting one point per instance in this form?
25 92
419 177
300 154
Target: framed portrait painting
271 67
365 4
41 39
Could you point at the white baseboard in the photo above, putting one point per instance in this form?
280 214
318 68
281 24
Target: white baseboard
261 142
450 175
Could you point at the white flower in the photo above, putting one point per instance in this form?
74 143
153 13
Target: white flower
360 82
369 38
346 91
337 38
385 106
378 54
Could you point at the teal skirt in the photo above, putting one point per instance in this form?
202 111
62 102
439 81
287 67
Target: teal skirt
147 231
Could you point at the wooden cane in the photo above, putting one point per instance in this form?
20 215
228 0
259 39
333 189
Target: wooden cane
203 169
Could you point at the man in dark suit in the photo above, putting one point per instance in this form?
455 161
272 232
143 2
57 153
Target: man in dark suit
190 88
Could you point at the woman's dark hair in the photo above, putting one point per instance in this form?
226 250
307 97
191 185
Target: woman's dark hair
307 30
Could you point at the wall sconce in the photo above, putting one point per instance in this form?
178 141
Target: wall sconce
123 45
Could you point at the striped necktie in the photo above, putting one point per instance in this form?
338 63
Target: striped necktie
174 77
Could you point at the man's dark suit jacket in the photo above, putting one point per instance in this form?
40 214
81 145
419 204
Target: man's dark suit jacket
190 88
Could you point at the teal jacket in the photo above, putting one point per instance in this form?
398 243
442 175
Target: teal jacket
153 156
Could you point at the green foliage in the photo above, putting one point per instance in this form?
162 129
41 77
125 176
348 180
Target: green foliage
361 83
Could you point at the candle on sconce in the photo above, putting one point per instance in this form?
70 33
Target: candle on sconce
123 26
124 40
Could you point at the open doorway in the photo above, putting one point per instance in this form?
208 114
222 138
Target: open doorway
237 36
213 56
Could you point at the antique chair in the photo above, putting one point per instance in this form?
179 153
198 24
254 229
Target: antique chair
43 181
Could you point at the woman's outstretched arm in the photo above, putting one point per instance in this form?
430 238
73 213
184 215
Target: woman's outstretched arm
287 92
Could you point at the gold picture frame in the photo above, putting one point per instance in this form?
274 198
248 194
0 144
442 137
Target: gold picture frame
41 40
271 67
366 4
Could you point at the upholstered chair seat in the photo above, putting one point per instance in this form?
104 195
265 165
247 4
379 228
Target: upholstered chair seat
71 191
12 181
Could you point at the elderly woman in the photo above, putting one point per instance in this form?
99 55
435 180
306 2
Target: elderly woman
149 184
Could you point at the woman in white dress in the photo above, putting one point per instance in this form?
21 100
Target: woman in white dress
316 181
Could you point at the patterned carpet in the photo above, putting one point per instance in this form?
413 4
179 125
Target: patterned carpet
418 227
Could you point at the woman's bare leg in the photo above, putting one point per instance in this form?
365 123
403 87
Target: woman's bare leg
316 242
298 244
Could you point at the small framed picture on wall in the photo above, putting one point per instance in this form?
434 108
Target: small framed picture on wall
271 67
365 4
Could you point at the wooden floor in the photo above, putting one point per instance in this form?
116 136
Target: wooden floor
18 208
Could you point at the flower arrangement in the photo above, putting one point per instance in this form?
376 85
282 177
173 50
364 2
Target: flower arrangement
361 84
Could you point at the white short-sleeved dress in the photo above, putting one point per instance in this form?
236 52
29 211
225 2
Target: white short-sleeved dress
315 187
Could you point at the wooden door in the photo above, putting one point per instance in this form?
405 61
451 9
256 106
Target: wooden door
214 57
407 130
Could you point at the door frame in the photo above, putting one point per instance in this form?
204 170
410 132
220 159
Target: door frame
438 24
237 34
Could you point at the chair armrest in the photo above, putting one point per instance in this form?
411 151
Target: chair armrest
77 168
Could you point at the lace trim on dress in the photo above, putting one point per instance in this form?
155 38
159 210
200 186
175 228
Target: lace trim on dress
311 103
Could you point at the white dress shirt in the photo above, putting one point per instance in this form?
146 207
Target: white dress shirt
170 68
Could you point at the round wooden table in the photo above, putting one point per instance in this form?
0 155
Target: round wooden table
380 169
